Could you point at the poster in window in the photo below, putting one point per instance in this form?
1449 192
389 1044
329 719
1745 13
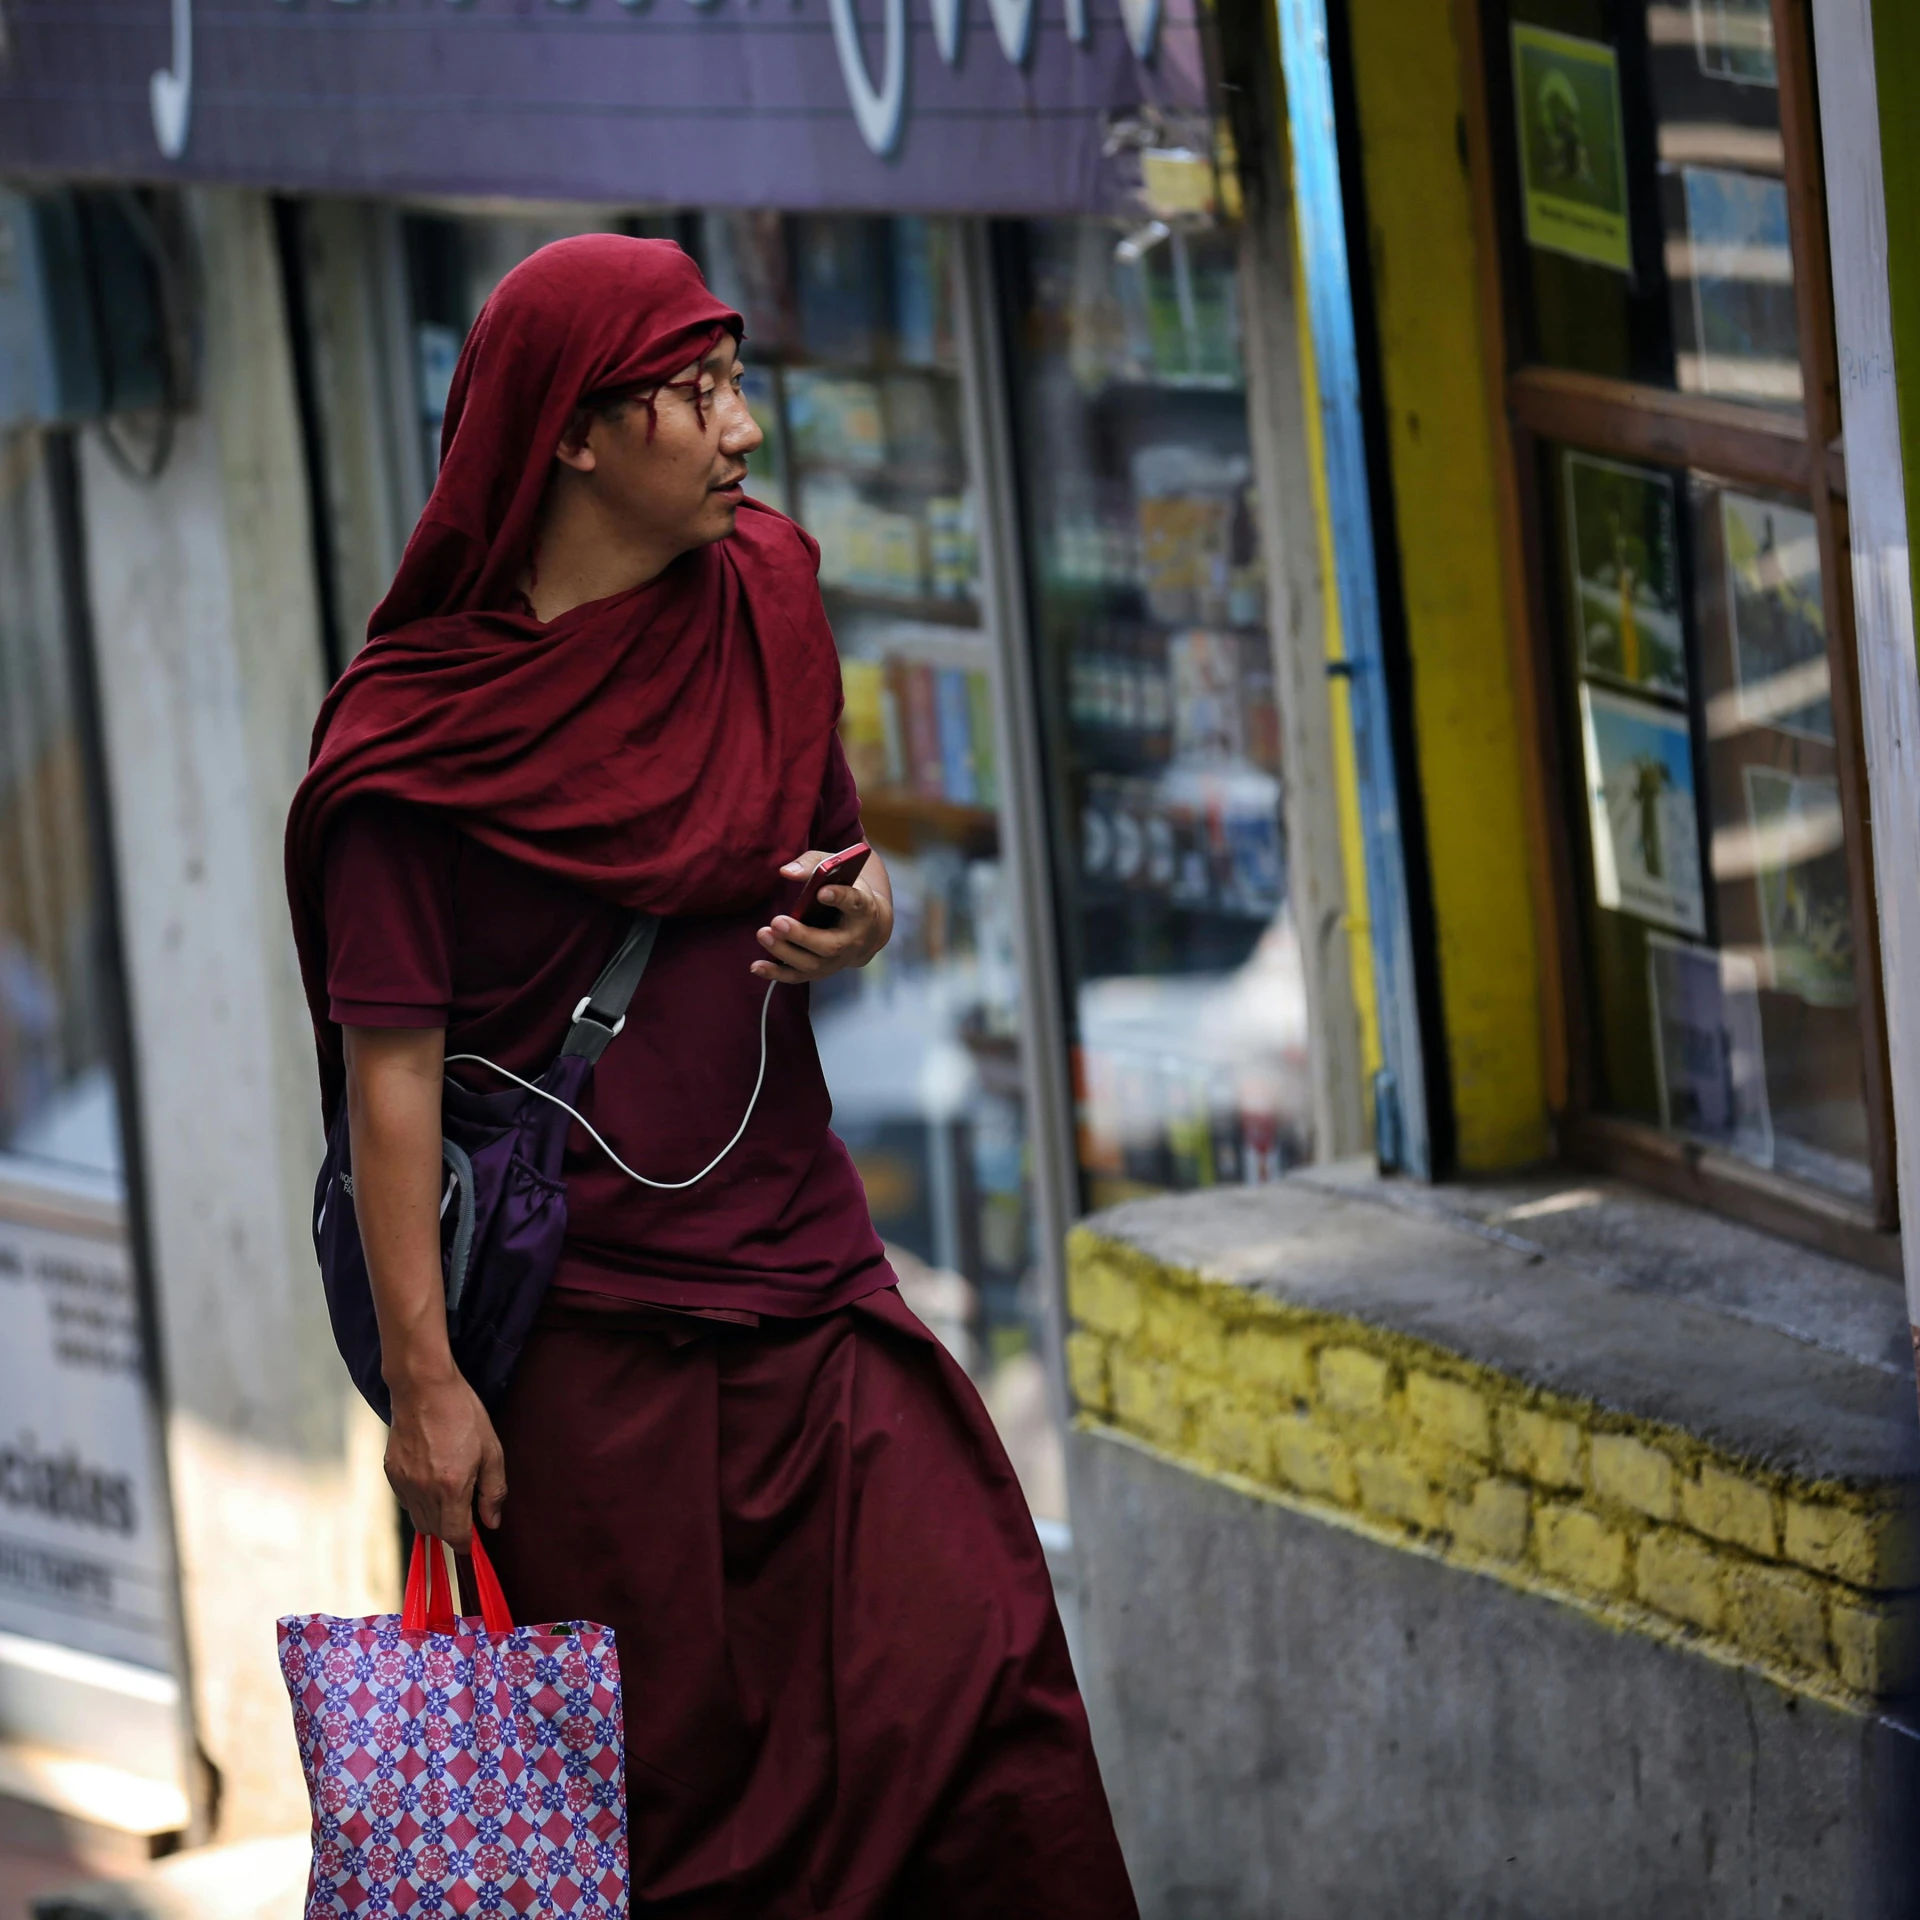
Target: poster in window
1573 165
1623 561
1708 1051
1734 39
84 1559
1746 341
1800 874
1640 798
1777 615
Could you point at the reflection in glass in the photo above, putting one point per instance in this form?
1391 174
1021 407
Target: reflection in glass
1717 893
58 1116
1158 695
1655 242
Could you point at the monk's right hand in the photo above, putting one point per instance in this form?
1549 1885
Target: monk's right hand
442 1456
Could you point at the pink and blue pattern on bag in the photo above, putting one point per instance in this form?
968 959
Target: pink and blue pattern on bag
471 1771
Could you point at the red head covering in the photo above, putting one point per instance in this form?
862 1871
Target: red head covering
663 748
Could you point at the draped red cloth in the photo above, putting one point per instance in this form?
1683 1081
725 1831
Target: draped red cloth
662 748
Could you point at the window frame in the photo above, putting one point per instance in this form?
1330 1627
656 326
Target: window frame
1533 404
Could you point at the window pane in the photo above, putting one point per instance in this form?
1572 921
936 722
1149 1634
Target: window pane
1650 174
1158 704
1715 883
58 1118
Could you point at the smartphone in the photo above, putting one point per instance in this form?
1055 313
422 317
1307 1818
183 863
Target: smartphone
836 870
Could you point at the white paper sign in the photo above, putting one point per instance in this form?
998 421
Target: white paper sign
83 1559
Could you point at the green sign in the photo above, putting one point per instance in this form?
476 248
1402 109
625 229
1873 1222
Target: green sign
1573 165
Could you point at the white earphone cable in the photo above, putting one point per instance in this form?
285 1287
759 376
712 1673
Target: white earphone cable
663 1186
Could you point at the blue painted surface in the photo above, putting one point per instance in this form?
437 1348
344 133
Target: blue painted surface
1319 208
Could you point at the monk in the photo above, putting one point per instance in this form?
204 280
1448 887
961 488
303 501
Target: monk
602 683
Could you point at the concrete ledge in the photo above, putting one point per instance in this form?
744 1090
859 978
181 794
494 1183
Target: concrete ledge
1670 1422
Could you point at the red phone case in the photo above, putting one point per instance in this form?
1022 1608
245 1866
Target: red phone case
836 870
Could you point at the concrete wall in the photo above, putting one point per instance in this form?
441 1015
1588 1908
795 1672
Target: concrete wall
210 673
1527 1548
1297 1722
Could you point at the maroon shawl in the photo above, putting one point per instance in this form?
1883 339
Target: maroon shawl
663 748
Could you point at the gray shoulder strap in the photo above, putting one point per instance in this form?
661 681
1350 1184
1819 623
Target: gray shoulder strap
603 1012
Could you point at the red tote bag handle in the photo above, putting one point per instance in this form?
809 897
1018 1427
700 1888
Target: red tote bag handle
432 1604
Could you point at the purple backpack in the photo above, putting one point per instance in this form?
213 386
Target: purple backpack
503 1209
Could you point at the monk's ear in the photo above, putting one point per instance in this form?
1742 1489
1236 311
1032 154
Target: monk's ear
576 448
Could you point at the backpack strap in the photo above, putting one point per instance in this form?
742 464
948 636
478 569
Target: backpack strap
603 1011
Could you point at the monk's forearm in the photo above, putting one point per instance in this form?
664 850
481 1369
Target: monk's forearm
393 1112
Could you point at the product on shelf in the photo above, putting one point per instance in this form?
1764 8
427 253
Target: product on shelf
864 548
1189 502
953 552
1201 837
986 762
836 419
863 722
1208 711
841 270
919 441
954 712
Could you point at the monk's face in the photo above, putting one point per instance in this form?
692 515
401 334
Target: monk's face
680 486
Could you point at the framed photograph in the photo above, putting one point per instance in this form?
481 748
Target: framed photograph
1624 566
1734 39
1800 874
1573 150
1746 340
1641 804
1709 1054
1777 616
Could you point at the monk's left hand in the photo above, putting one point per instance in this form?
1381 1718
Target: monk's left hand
796 953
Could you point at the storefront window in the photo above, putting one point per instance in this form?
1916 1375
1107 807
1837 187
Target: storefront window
1650 175
857 379
1720 904
58 1117
1658 170
1157 690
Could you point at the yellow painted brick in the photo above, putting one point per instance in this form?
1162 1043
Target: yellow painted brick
1540 1447
1234 1435
1579 1547
1353 1381
1146 1395
1103 1295
1877 1648
1450 1411
1270 1363
1494 1521
1726 1507
1087 1370
1636 1475
1393 1485
1778 1613
1312 1459
1184 1327
1876 1548
1677 1573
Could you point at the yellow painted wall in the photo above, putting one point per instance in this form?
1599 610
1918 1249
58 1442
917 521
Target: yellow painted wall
1407 79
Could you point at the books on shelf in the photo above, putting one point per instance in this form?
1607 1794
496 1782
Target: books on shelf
919 727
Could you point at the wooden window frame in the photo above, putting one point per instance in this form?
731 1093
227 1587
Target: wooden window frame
1532 404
